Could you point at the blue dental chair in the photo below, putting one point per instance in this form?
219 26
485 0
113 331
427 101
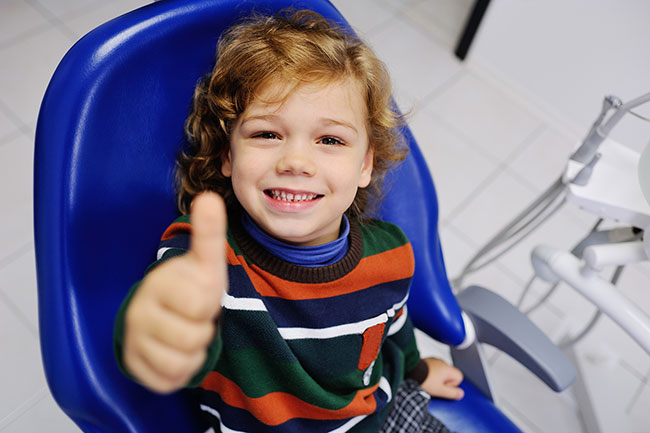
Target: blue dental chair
109 129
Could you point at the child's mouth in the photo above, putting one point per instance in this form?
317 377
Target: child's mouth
291 196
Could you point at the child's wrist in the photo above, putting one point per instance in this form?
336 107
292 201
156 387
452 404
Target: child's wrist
419 373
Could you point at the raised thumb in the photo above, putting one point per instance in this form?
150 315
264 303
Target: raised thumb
208 218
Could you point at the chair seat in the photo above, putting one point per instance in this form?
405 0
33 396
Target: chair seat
475 413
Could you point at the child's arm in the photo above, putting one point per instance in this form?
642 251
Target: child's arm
442 380
170 322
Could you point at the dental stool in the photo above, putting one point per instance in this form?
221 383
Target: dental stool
109 130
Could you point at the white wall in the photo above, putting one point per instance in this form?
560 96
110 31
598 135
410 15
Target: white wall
567 54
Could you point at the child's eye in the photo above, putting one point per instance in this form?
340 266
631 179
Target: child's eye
266 135
331 141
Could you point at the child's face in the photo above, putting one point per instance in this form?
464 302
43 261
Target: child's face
296 166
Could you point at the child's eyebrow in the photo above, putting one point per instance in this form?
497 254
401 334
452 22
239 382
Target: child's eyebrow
325 121
259 117
343 123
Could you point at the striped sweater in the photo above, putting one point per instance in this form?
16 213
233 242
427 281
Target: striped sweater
304 349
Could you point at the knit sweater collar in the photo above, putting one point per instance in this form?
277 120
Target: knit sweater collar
259 256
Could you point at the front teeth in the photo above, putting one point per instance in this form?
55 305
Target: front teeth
284 196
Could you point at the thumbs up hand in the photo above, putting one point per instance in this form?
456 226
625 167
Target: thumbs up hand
170 321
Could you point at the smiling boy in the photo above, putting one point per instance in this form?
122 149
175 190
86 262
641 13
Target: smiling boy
287 313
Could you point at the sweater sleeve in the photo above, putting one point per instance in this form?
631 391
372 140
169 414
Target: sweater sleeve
403 335
175 242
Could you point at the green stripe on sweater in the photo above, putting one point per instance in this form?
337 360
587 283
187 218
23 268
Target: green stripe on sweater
390 237
258 374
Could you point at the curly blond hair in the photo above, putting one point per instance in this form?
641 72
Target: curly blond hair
292 47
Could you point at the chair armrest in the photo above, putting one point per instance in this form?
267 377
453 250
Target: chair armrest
500 324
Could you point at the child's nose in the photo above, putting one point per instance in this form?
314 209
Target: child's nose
296 160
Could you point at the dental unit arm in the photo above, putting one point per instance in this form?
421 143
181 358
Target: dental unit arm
644 181
599 131
599 178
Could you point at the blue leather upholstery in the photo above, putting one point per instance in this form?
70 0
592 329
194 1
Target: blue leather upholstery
473 414
412 203
110 126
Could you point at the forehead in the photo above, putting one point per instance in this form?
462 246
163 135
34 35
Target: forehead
275 94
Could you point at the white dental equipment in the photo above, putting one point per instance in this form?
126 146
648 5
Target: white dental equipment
600 177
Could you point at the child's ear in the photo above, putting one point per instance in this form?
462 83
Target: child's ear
226 166
366 167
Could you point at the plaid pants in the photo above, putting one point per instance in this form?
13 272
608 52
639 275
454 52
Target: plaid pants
410 413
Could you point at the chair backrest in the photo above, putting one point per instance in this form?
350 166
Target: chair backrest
109 130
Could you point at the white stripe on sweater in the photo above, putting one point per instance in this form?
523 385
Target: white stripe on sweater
332 331
297 333
212 411
161 252
245 304
397 325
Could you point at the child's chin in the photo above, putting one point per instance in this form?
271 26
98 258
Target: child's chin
295 236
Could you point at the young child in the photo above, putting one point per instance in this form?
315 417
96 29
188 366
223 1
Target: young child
293 318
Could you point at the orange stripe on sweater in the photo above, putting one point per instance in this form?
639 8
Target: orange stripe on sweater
278 407
176 229
231 257
373 270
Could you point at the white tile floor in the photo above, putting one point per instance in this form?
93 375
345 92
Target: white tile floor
489 152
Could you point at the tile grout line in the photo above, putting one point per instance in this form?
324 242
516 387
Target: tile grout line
448 83
396 10
52 21
528 101
377 27
4 262
461 136
23 36
514 277
16 254
526 143
644 271
20 125
46 13
55 21
4 139
403 15
633 371
489 179
635 397
390 10
523 418
24 408
19 315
